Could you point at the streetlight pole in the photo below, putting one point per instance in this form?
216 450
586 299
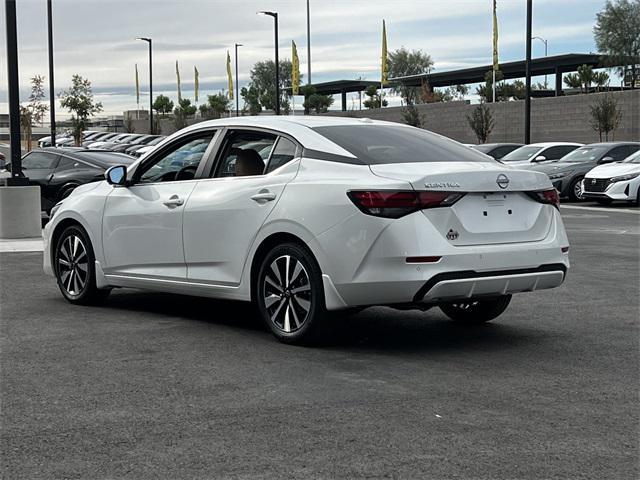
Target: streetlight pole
17 177
545 54
52 94
527 98
237 92
149 41
308 46
275 25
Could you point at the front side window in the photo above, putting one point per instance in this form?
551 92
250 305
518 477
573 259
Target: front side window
179 163
556 153
39 161
284 152
381 144
245 153
620 153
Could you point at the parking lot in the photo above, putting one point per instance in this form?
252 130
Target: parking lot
163 386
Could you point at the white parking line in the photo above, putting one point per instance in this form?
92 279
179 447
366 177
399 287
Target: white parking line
602 209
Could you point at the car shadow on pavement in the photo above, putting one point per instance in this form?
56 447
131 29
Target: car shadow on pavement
376 329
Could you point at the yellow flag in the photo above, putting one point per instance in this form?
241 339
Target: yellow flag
178 80
229 76
384 67
496 67
295 69
137 86
196 81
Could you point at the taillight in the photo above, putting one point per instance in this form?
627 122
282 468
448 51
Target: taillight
398 203
550 197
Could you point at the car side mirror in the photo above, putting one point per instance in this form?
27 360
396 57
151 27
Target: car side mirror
116 175
540 158
607 160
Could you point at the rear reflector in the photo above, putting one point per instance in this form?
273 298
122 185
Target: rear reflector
423 259
550 197
398 203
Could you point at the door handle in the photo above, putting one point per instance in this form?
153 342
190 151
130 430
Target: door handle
173 201
264 197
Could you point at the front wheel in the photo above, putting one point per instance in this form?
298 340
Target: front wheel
476 311
74 266
575 190
290 294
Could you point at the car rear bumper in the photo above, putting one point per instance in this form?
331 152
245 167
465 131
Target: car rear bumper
382 274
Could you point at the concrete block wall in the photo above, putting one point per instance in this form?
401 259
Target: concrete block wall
565 118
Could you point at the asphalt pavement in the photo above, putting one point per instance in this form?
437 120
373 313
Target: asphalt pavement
165 386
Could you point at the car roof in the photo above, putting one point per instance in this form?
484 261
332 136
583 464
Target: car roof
611 144
101 158
491 145
553 144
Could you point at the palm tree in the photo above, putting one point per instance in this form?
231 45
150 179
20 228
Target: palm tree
601 79
585 72
572 80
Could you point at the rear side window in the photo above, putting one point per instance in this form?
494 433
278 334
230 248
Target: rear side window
380 144
39 160
284 152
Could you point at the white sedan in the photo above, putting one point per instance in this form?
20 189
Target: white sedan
614 181
307 215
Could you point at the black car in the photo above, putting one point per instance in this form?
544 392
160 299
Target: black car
59 170
496 150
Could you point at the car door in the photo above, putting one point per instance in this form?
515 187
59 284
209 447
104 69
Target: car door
142 222
224 213
39 166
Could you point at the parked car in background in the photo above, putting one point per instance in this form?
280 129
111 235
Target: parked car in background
536 153
307 215
141 140
567 174
100 145
496 150
58 171
619 181
132 150
3 161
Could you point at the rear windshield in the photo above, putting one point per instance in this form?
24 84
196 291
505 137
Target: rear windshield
379 144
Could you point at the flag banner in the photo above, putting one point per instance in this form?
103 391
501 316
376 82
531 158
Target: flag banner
137 86
295 69
229 76
496 66
384 67
196 82
178 80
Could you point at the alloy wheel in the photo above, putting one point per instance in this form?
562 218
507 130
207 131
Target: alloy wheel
287 293
577 190
73 264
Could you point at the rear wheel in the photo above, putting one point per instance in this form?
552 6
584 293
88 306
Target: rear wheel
290 294
74 265
476 311
575 190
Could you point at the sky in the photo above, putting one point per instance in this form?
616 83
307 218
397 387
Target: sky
97 39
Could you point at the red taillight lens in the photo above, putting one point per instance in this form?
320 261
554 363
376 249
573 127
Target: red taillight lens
398 203
550 197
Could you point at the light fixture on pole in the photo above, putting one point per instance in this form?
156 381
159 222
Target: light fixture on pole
237 93
275 24
148 40
545 54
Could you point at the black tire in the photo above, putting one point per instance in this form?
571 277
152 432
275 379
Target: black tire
571 192
604 201
76 277
290 295
66 191
476 311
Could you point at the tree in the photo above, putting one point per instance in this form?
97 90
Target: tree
261 90
185 107
572 80
162 105
585 72
605 116
617 34
412 116
481 122
34 111
315 101
601 79
216 105
402 63
79 101
374 98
